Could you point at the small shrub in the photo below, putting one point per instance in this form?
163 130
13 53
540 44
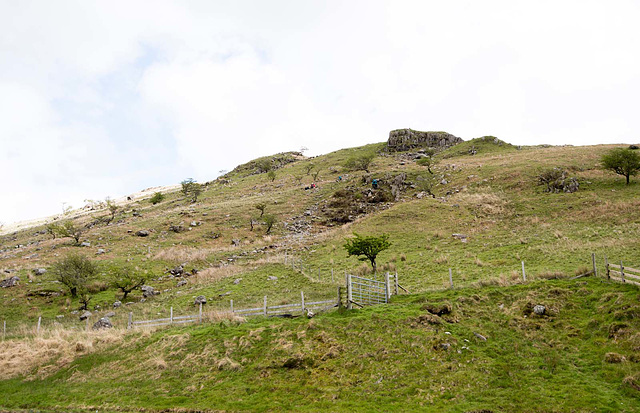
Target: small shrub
157 198
556 181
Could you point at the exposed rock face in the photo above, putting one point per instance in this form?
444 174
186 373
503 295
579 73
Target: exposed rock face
9 282
201 299
104 322
406 139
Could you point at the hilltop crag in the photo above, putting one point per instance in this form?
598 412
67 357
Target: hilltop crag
407 139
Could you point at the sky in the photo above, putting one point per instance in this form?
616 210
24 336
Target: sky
105 98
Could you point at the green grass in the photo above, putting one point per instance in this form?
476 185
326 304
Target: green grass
383 358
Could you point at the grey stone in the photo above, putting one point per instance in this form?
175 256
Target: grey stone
104 322
195 223
117 304
85 244
101 251
176 228
85 315
201 299
59 316
39 271
445 346
273 278
539 309
235 242
181 283
148 291
9 282
237 281
142 233
480 336
110 314
406 139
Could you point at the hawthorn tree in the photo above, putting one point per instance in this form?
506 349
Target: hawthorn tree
360 162
622 161
127 279
369 247
191 189
74 271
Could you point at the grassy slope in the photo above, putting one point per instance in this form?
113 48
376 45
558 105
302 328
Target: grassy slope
377 359
491 197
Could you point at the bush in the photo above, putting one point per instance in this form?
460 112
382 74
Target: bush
157 198
360 162
191 189
557 181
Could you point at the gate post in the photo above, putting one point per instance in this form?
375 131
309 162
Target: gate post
386 287
349 292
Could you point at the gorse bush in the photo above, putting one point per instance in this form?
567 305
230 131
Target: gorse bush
157 198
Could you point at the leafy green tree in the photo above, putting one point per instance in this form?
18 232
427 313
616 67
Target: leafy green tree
127 279
191 189
74 271
52 229
308 167
264 165
360 162
261 206
427 160
69 229
368 246
271 175
270 221
156 198
622 161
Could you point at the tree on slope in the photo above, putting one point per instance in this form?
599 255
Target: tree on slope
622 161
369 247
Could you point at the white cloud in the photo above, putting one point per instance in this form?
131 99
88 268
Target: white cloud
99 98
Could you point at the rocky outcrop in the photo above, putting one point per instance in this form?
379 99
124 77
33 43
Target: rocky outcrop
9 282
406 139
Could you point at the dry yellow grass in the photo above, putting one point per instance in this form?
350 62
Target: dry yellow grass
41 355
182 254
483 203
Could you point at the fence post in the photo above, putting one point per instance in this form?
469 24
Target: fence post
606 266
332 275
38 328
524 276
396 283
349 292
450 278
231 305
386 287
265 306
302 300
130 323
339 297
171 315
593 261
622 272
200 314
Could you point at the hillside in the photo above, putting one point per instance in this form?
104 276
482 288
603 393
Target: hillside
475 208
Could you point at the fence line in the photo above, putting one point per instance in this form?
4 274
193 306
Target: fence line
621 273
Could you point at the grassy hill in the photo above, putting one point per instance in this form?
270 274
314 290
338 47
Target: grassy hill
487 215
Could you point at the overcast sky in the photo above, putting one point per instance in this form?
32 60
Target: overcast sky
105 98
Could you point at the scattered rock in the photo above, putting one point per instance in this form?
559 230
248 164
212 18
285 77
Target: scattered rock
85 244
195 223
176 228
201 299
310 314
142 233
237 281
444 182
235 242
539 309
100 251
614 358
9 282
59 316
117 304
445 346
104 322
181 282
179 270
273 278
39 271
480 336
148 291
85 315
461 237
110 314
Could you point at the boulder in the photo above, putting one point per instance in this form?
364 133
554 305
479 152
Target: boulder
179 270
9 282
237 281
85 244
85 315
176 228
273 278
117 304
201 299
100 251
181 283
110 314
104 322
539 309
148 291
39 271
142 233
